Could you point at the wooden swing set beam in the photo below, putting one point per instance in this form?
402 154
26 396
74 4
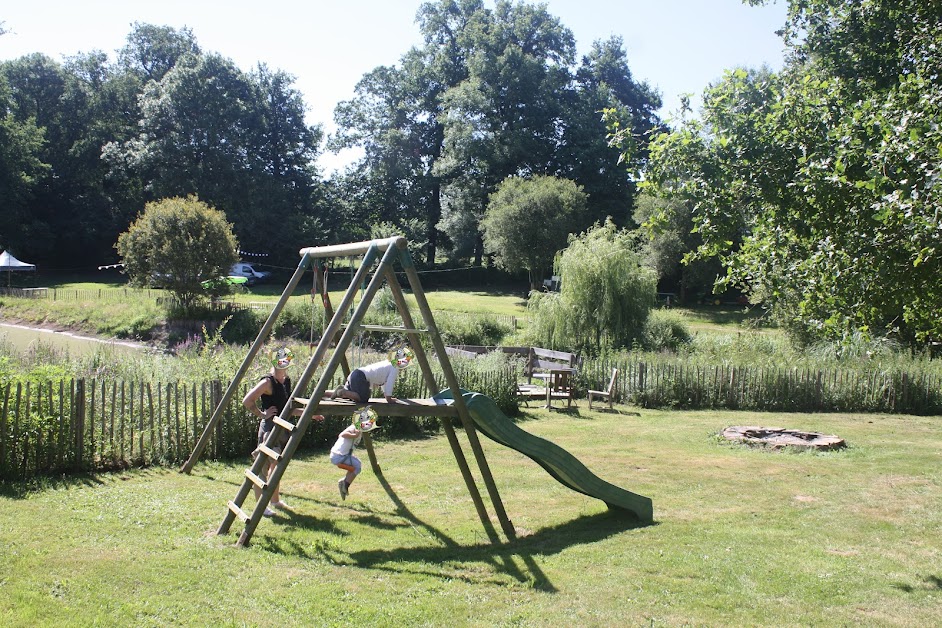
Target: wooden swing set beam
349 249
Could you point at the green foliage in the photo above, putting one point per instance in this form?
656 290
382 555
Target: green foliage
470 329
604 298
294 321
383 301
669 226
818 186
490 93
664 329
86 141
21 170
183 242
528 220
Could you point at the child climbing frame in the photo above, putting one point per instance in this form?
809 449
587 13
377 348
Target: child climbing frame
392 250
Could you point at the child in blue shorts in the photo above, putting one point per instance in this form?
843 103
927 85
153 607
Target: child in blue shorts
341 454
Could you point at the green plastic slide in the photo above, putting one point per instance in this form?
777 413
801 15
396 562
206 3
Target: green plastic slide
558 462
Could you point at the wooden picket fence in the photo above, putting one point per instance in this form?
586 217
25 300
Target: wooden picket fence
79 425
67 426
679 385
94 294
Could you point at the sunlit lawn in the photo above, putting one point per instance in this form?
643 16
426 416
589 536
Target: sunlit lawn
742 537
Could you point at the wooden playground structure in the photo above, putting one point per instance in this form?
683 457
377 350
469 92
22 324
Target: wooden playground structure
452 404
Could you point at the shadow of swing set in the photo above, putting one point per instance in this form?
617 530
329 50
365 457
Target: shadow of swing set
476 412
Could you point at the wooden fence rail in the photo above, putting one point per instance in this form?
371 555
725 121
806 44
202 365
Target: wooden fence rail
678 385
74 425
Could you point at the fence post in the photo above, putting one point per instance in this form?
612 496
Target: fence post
215 400
3 430
79 410
61 441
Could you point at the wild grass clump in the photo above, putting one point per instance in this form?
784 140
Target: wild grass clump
470 329
665 330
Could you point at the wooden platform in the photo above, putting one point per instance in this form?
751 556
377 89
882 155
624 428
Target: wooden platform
404 407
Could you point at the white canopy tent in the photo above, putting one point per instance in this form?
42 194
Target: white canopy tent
11 264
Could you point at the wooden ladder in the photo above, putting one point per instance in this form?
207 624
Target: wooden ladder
253 475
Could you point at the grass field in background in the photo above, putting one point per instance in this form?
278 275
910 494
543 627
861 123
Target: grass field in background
741 536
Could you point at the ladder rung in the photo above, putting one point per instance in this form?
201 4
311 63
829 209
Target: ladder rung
302 400
257 481
285 424
271 453
405 330
238 512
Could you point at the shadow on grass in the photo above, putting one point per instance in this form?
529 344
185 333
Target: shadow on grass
21 489
443 557
504 559
932 582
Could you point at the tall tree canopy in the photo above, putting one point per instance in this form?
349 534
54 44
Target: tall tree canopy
819 186
236 140
86 142
491 94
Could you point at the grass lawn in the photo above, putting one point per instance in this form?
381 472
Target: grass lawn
742 536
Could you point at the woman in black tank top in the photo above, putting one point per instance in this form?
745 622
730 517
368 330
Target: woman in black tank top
274 390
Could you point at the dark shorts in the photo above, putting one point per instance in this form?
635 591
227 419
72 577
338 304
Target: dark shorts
264 429
358 383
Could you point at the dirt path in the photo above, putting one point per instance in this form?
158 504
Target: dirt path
22 335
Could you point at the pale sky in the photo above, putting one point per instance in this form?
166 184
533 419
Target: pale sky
677 46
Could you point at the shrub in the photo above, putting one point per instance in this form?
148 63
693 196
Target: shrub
664 330
466 329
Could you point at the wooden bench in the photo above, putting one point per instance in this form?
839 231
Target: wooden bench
540 361
539 364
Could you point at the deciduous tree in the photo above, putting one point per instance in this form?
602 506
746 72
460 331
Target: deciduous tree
818 187
180 243
605 294
528 221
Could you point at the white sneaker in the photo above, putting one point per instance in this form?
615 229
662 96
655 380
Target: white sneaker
269 512
342 487
280 505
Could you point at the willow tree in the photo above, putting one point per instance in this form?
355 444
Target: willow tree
605 296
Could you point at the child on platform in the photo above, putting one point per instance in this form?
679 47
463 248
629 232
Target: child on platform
379 374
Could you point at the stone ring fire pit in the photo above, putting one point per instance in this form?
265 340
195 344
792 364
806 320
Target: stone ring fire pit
779 437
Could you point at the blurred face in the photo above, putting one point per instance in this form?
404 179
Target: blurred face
281 359
402 357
